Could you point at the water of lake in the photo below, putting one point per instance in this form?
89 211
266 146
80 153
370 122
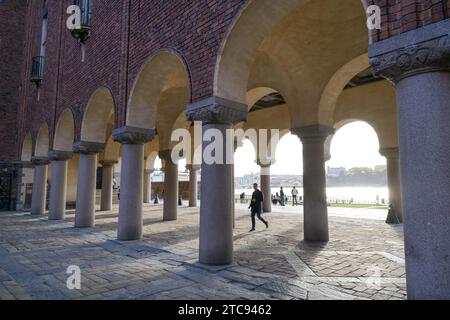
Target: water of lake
358 194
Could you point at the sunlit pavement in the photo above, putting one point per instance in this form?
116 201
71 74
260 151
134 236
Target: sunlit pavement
363 260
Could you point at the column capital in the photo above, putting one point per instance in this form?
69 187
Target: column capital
265 163
165 154
40 161
23 164
418 51
217 110
57 155
390 153
133 135
86 147
192 167
108 163
313 134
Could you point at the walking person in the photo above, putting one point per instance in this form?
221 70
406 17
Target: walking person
282 197
256 206
294 194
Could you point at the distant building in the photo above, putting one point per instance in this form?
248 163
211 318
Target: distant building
336 172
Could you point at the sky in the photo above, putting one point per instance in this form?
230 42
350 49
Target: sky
354 145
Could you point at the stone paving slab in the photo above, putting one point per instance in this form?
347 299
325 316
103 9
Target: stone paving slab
363 260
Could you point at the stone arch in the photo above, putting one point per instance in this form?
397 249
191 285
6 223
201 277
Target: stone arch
27 148
98 116
42 142
151 160
112 150
65 132
163 71
340 124
337 84
237 54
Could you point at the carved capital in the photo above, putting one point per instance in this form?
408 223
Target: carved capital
217 110
40 161
85 147
390 153
56 155
133 135
23 164
108 163
265 163
165 154
419 51
192 167
314 133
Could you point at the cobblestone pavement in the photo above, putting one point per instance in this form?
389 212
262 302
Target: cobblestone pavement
364 260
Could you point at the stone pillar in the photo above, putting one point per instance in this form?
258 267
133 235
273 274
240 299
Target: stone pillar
148 186
58 189
421 73
314 182
39 197
131 180
170 211
216 209
86 188
193 185
107 185
394 184
266 184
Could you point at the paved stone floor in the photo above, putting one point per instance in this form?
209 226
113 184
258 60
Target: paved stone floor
364 259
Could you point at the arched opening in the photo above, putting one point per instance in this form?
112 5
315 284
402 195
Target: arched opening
27 172
27 148
295 46
65 132
42 142
165 71
98 117
356 172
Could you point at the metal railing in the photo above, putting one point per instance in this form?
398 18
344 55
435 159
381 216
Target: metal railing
37 70
83 33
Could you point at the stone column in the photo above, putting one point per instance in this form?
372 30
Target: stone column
107 185
131 180
193 185
266 183
394 184
216 209
148 186
170 210
20 186
421 73
58 189
39 197
314 182
87 177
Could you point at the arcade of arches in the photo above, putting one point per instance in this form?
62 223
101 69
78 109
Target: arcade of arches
299 68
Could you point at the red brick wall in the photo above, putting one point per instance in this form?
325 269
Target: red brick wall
127 32
12 18
400 16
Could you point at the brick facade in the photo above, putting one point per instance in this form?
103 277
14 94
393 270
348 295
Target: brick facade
125 34
12 17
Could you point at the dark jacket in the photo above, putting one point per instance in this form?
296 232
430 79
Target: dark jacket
257 199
